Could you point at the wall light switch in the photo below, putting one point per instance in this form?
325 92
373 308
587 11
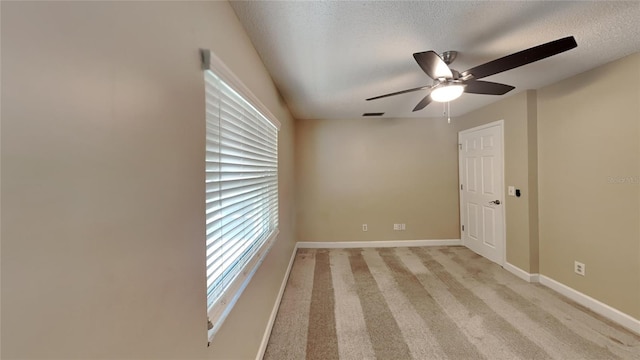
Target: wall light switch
512 191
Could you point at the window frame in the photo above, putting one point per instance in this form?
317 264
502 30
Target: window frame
218 310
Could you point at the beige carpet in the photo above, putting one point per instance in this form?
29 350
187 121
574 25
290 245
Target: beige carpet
431 303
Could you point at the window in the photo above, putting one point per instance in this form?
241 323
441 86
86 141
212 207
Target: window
241 165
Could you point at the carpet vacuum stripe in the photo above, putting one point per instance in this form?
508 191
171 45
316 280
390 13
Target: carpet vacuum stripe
296 300
322 341
446 333
382 327
492 333
583 348
510 311
353 339
413 327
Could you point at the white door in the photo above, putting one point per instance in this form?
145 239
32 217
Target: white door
481 161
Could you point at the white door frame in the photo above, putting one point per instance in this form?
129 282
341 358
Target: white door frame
500 124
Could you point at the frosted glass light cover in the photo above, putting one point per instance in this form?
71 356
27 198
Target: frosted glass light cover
446 93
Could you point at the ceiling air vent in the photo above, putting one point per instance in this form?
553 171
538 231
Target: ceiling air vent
373 114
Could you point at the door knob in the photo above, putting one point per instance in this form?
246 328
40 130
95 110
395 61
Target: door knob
495 202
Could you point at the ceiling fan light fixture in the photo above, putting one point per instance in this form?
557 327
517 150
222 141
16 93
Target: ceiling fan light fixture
447 92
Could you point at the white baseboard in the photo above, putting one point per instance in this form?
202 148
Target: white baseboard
375 244
596 306
532 278
587 301
276 306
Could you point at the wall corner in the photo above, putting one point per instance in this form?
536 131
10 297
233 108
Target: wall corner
532 143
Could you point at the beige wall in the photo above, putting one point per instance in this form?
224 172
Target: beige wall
520 217
378 172
386 171
588 132
102 181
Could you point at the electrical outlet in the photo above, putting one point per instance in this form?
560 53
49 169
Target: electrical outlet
364 227
403 227
396 226
579 268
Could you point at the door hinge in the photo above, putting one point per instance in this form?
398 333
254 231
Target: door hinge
459 146
462 227
461 187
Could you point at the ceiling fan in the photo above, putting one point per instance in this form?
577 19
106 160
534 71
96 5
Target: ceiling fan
449 84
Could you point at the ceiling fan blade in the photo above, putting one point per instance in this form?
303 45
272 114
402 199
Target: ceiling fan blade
521 58
433 65
399 92
486 87
423 103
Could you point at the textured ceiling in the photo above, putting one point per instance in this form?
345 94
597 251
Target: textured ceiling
326 57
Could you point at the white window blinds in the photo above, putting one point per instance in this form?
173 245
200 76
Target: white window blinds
241 192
